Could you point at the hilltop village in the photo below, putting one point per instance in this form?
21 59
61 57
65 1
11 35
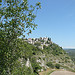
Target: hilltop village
39 42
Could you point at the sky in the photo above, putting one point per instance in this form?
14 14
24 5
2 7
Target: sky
56 19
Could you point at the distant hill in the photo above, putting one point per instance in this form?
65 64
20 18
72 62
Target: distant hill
69 49
71 53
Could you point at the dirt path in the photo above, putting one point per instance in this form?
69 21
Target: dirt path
46 72
62 73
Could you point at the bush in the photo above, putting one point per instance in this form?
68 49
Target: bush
47 42
35 65
42 40
57 66
49 64
21 70
37 43
44 47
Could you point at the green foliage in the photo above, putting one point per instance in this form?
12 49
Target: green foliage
57 66
44 47
16 18
22 50
48 42
37 44
71 53
56 49
19 69
49 39
35 65
42 40
49 64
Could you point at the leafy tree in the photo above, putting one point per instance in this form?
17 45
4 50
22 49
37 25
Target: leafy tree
49 39
16 18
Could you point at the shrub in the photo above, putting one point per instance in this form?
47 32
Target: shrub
57 66
35 65
49 64
42 40
37 43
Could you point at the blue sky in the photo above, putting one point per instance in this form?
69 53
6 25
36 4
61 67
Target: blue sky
56 20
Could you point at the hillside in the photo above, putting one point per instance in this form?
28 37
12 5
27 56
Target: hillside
36 55
50 55
71 53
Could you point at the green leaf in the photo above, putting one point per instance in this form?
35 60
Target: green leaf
0 0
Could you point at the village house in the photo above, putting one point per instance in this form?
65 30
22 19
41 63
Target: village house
42 40
45 39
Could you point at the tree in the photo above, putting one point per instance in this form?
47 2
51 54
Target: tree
49 39
16 18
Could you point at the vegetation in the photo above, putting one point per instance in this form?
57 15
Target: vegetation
23 50
71 53
54 49
48 42
16 18
57 66
67 68
37 44
49 39
49 64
